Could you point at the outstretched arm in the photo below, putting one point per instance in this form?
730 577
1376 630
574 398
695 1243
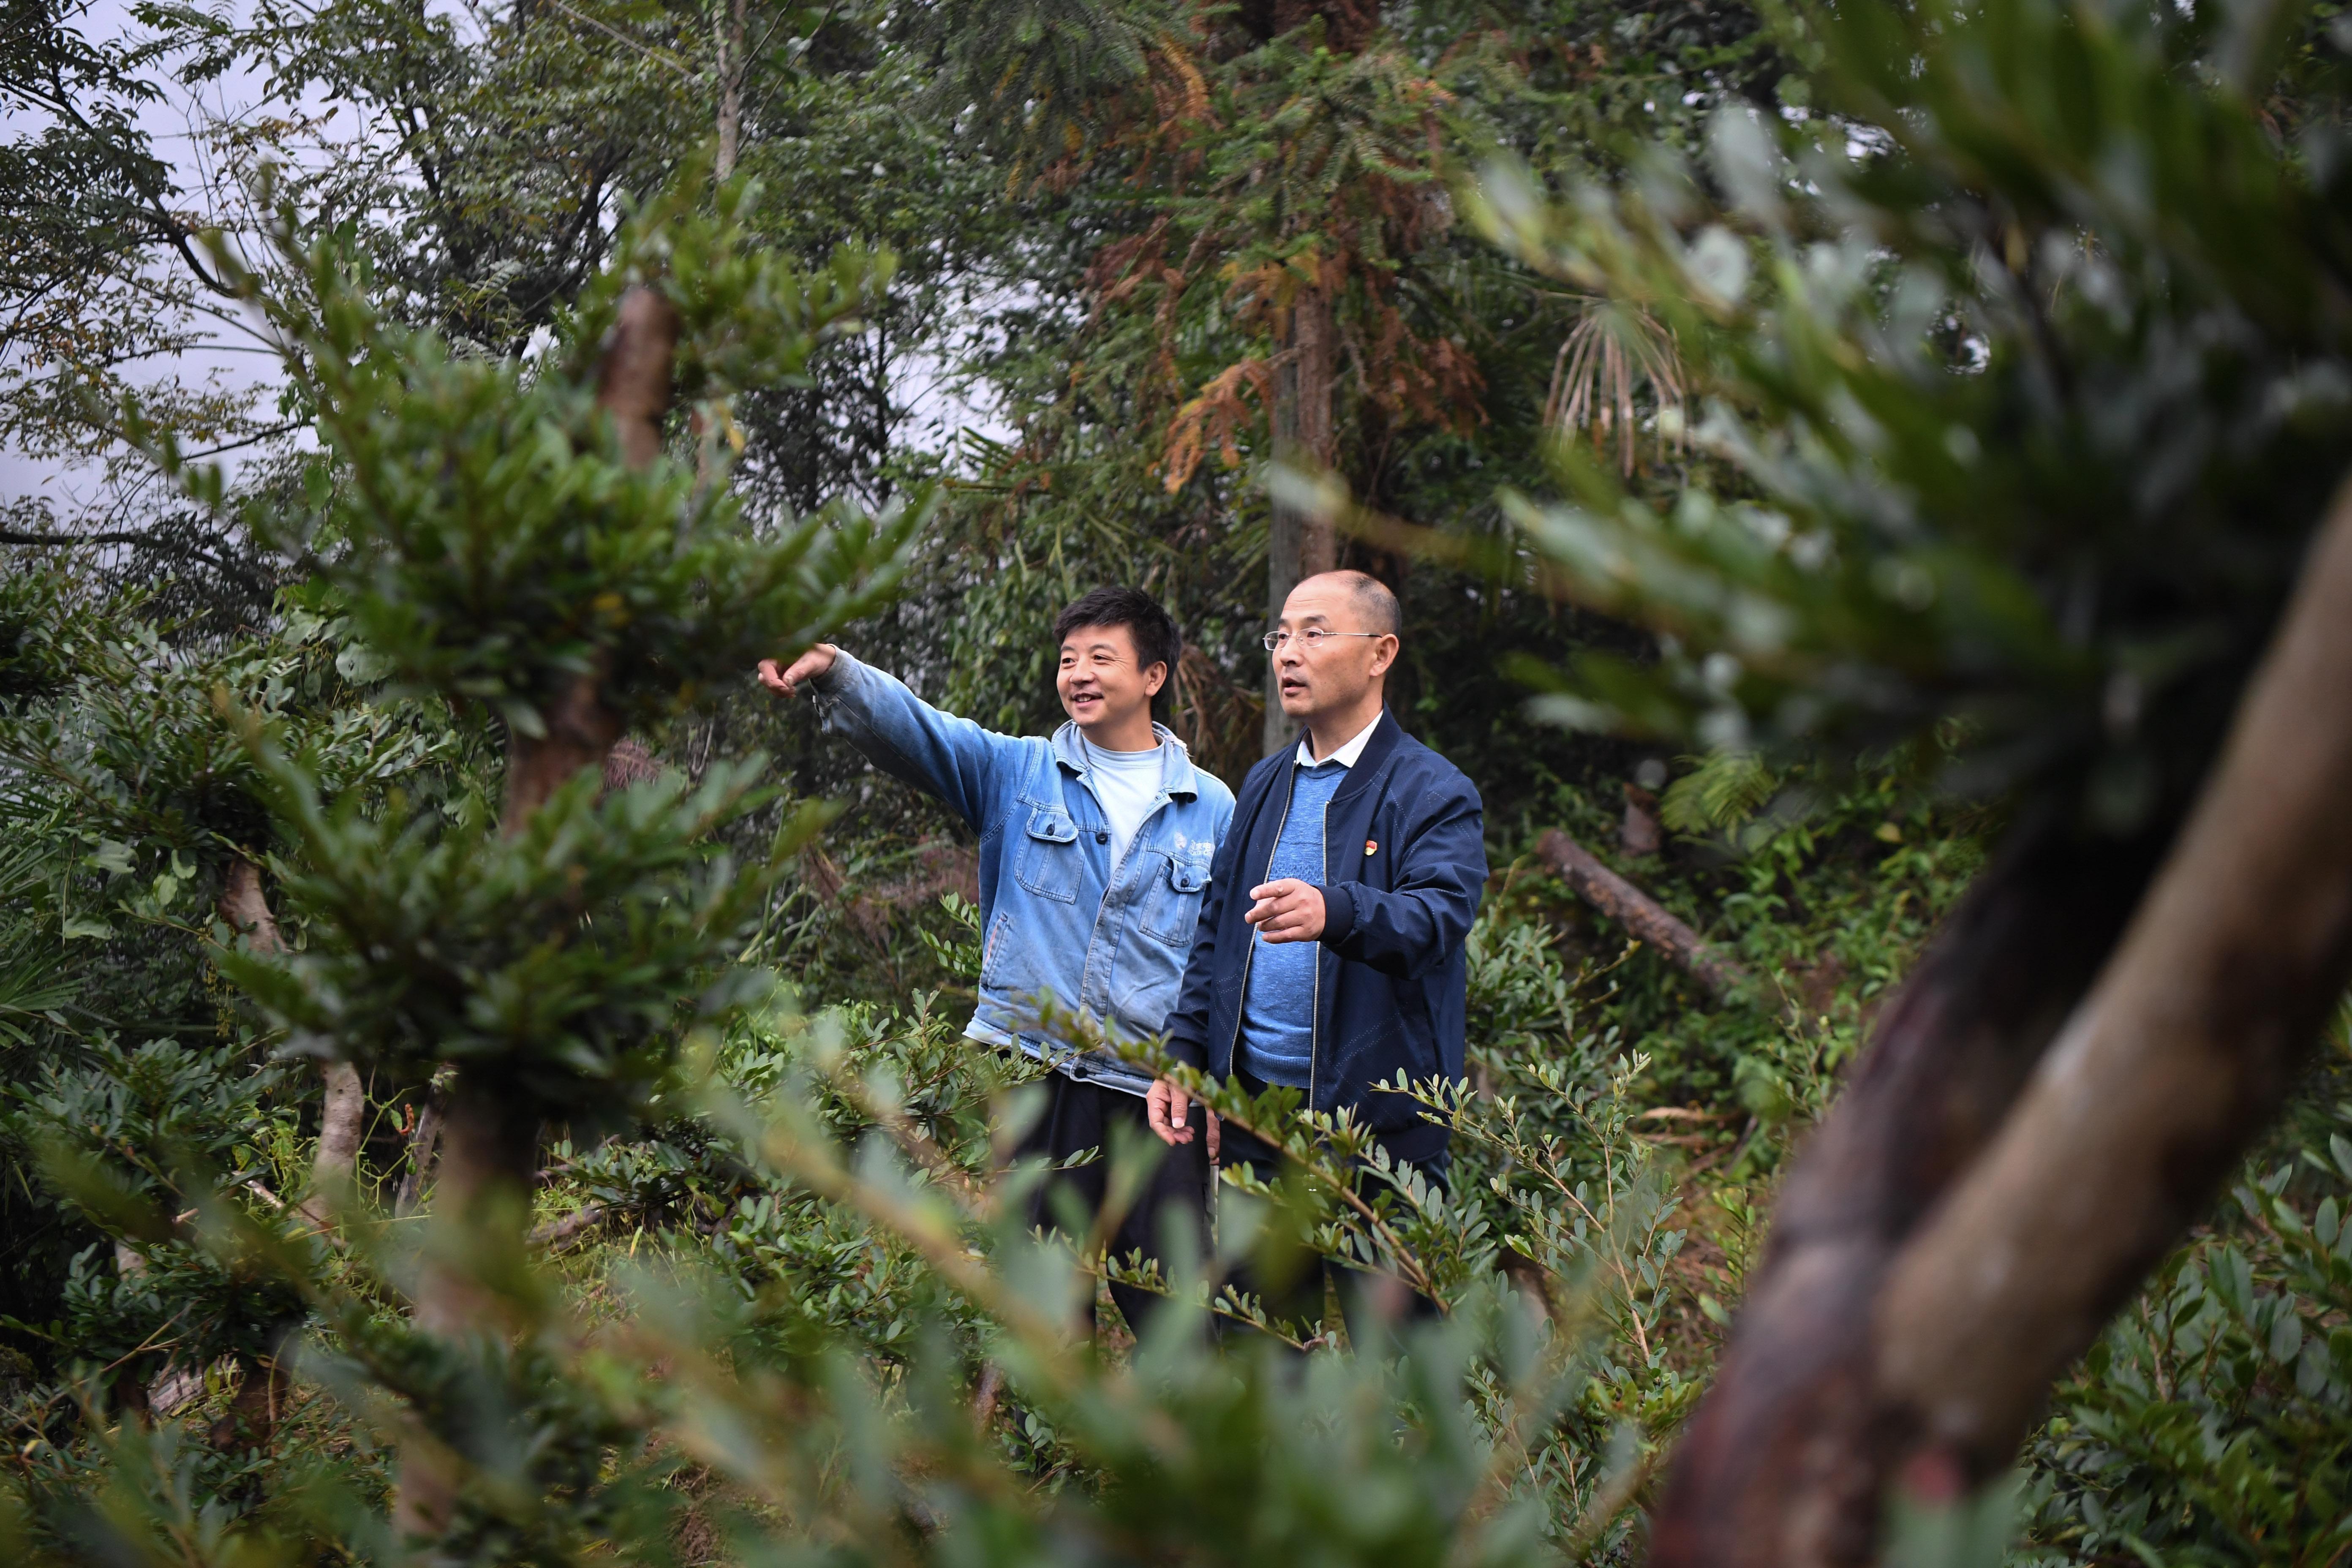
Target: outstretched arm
898 733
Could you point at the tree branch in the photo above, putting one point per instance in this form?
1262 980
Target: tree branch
1639 913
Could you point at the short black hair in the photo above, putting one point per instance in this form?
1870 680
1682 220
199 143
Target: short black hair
1153 629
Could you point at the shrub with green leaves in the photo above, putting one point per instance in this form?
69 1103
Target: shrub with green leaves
2213 1423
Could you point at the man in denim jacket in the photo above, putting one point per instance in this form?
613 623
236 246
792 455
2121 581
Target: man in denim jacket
1095 849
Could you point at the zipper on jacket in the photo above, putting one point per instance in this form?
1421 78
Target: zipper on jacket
1249 957
1314 997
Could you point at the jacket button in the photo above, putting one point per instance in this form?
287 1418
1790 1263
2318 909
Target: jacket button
1102 836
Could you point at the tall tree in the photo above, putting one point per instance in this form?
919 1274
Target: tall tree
525 543
2037 471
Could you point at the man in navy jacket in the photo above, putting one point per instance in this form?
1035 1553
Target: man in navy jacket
1330 953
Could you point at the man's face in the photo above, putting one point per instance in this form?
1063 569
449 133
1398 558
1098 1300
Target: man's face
1098 680
1337 673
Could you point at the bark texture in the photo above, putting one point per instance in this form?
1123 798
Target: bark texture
2059 1089
481 1199
1774 1468
730 89
1300 543
1639 913
580 732
633 382
2225 978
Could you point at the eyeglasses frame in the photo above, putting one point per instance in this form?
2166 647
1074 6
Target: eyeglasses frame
1272 641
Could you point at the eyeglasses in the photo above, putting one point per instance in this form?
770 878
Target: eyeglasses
1310 639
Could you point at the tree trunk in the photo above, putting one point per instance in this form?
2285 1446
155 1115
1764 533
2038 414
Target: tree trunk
579 733
1939 1257
632 384
1299 543
2231 967
342 1109
1772 1469
730 88
423 1144
488 1133
481 1201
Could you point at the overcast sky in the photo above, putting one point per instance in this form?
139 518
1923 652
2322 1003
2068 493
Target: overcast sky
178 122
175 124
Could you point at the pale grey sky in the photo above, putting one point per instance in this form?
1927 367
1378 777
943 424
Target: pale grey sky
181 123
229 355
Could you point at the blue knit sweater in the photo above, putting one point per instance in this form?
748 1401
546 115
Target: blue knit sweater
1277 1038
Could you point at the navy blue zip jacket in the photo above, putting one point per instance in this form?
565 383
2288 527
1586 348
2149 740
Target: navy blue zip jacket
1405 861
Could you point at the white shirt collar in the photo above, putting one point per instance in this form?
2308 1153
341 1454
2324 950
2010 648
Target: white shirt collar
1346 756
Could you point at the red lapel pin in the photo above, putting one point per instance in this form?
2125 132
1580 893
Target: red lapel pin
1372 846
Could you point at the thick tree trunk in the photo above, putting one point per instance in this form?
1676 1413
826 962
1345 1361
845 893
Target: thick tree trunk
1651 921
632 384
580 732
481 1201
1299 543
1938 1257
2230 968
1773 1469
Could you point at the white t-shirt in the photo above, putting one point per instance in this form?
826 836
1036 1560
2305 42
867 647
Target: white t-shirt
1127 783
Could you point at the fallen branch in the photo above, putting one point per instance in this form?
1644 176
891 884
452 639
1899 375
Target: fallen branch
1650 921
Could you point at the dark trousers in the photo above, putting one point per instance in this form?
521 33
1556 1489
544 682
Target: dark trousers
1289 1279
1082 1116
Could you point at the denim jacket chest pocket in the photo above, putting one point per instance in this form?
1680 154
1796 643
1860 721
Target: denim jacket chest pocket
1050 862
1171 906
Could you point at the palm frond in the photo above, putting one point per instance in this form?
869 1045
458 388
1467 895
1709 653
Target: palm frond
1611 351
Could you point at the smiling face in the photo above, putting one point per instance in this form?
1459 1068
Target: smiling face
1102 688
1341 678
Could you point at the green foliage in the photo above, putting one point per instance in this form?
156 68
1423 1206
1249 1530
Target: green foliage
493 544
40 625
557 963
2029 363
143 756
2026 384
2213 1423
143 1141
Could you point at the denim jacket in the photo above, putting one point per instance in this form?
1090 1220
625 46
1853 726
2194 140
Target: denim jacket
1059 920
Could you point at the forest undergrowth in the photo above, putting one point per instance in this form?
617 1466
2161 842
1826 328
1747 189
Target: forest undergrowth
798 1222
480 1083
